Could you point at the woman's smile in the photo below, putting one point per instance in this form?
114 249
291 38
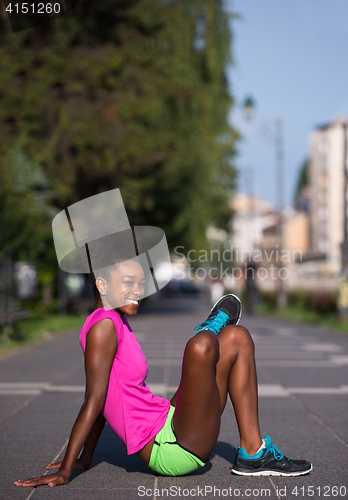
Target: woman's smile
132 301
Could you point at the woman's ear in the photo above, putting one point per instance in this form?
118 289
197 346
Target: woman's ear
101 285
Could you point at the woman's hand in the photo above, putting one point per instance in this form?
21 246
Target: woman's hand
55 479
79 465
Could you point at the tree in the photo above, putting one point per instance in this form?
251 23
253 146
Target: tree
26 214
25 210
302 182
130 95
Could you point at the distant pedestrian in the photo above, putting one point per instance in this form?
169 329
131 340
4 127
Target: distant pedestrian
173 437
251 287
216 289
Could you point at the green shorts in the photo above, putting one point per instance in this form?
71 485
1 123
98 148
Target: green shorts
168 457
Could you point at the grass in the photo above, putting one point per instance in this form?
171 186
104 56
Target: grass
37 329
299 314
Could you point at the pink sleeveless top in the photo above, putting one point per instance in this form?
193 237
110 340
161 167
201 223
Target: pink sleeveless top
130 408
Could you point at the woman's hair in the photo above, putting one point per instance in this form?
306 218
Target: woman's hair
101 273
104 253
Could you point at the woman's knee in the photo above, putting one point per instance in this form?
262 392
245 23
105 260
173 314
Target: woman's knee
204 345
238 335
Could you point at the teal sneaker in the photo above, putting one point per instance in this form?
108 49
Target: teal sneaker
268 461
226 311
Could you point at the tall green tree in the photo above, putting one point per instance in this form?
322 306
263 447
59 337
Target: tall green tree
25 209
26 213
130 95
302 181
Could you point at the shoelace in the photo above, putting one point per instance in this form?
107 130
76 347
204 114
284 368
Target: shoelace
278 455
215 324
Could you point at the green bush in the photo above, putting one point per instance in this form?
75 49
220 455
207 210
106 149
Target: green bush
268 299
299 298
323 302
319 301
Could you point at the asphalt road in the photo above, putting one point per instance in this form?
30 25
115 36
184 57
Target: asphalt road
303 389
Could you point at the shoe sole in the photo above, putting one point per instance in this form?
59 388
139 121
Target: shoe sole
231 295
271 473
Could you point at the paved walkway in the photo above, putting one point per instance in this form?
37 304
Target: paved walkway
303 388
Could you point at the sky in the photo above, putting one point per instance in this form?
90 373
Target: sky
291 56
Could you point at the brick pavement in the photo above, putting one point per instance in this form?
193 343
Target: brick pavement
303 388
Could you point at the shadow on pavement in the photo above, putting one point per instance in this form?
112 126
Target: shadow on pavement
110 450
224 450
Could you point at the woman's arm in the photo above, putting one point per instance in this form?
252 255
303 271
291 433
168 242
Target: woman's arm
86 457
101 347
92 441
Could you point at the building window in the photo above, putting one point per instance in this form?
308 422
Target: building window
323 163
323 213
323 228
323 246
323 148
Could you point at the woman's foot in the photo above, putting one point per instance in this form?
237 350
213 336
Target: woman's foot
268 461
226 311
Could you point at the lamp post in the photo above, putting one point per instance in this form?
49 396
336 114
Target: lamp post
249 109
279 142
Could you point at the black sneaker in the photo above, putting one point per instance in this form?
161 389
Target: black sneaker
226 311
269 461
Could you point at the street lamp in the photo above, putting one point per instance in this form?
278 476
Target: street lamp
279 143
249 109
249 112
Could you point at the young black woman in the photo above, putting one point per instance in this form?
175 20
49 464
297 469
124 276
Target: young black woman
173 437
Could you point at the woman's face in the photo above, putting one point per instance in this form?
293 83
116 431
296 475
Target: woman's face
125 288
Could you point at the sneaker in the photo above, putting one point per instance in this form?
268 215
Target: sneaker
268 461
226 311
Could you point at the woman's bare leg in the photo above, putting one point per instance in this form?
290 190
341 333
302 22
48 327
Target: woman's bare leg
213 367
236 376
197 402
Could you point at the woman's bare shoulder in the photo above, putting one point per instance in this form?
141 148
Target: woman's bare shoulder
103 327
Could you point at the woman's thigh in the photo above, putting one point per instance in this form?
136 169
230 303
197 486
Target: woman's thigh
203 389
197 413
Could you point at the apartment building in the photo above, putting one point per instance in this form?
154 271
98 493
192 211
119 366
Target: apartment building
251 216
326 176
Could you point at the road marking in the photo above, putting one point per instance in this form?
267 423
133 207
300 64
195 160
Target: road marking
265 390
34 388
289 363
291 352
343 389
296 363
274 390
21 385
66 388
339 359
321 347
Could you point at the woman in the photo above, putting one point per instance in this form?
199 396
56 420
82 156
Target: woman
173 437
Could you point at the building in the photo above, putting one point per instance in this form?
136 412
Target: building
251 216
326 178
286 261
296 233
